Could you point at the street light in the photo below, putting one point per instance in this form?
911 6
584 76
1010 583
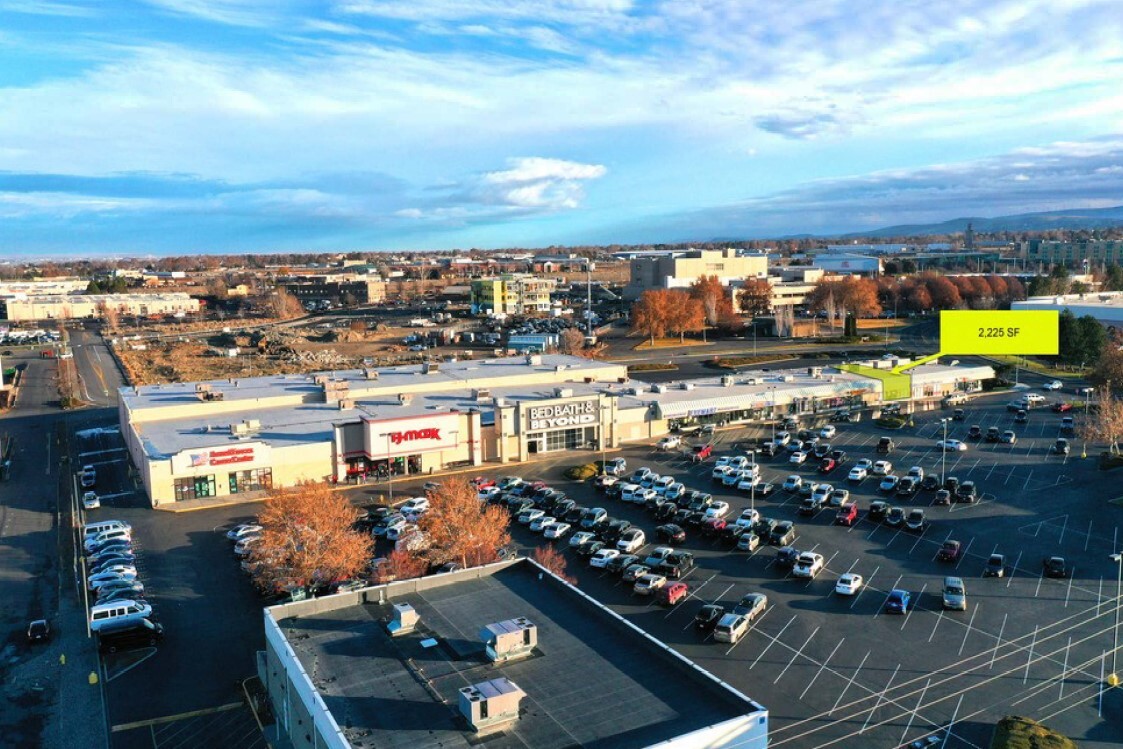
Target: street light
944 451
1118 559
772 411
756 477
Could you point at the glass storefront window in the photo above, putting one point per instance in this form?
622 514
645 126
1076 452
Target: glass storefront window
195 487
254 480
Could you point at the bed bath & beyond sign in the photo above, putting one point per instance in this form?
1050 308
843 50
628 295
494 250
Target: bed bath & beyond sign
563 415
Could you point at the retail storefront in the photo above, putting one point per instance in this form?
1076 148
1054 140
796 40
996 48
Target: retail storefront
404 447
218 471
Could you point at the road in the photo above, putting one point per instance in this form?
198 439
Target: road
98 374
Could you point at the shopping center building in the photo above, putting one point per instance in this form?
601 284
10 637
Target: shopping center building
238 436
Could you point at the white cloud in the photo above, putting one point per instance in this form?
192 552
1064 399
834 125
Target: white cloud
538 183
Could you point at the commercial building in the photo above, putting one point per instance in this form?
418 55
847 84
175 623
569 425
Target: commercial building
92 306
1105 306
511 294
853 265
361 290
42 287
230 437
505 656
675 270
865 249
1073 254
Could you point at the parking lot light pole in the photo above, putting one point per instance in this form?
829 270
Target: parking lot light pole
1118 559
756 475
943 452
772 412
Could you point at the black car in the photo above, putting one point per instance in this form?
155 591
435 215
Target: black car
966 492
930 483
992 434
590 547
958 415
783 534
895 517
916 522
516 507
615 490
136 633
561 509
670 533
573 517
975 432
611 531
681 515
885 445
1060 447
695 519
764 527
730 534
699 501
943 497
1054 567
996 566
665 511
651 504
620 563
785 557
768 449
838 456
906 487
38 631
707 617
676 565
822 450
951 483
878 510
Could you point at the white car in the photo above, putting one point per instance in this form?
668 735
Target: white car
580 537
664 483
747 482
848 584
864 463
526 517
603 557
641 495
722 462
889 483
732 478
857 473
782 438
415 506
101 579
90 501
720 472
488 493
555 530
740 462
674 491
798 458
793 483
238 532
631 540
399 531
649 584
1054 385
882 468
839 497
822 493
828 432
916 472
808 564
951 446
538 525
668 443
748 517
718 509
242 548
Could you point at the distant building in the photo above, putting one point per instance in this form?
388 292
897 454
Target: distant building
511 294
865 249
397 666
851 265
561 264
363 291
1073 254
674 270
1104 306
42 287
92 306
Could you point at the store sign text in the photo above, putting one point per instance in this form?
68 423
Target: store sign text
222 457
563 415
430 433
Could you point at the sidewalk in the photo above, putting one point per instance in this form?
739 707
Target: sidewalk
77 713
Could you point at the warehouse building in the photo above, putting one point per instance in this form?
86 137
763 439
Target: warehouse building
1106 306
230 437
93 306
506 656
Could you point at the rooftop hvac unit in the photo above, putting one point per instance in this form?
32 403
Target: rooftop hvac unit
370 374
481 394
563 392
430 367
631 391
202 387
815 371
727 381
405 398
490 705
787 378
659 388
346 404
403 621
533 360
754 381
320 379
510 639
686 385
500 402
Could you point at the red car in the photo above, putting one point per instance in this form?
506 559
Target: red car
701 452
847 514
671 594
713 527
949 552
828 465
482 482
1062 407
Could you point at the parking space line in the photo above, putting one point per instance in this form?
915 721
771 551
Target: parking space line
1014 569
1061 538
1088 538
998 644
800 651
912 715
1029 657
1025 486
882 606
964 554
850 682
970 626
821 667
990 471
1040 579
880 696
863 588
908 613
1068 592
939 619
771 642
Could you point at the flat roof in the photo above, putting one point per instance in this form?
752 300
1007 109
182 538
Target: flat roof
453 375
592 681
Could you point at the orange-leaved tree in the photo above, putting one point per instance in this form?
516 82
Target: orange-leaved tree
755 296
460 528
308 537
651 315
717 305
685 314
554 561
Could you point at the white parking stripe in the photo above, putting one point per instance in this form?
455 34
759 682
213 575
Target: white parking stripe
970 626
913 607
880 697
771 642
998 644
821 667
912 715
851 682
863 588
800 651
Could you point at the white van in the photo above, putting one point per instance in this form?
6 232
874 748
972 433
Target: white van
111 535
92 529
117 611
731 628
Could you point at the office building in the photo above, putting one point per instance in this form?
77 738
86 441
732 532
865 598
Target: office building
678 270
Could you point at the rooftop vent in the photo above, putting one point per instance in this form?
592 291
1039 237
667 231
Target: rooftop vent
404 620
430 367
659 388
815 371
563 392
727 381
510 639
346 404
686 385
245 428
491 705
534 360
481 394
370 374
405 398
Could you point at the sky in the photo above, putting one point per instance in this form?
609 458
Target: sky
196 126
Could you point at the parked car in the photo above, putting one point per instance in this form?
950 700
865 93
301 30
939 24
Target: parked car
895 517
38 631
888 484
857 473
670 533
898 601
783 534
707 617
751 605
916 521
672 593
950 445
885 444
556 530
793 483
602 557
731 628
786 557
620 563
808 565
827 465
995 566
634 572
1054 567
882 468
878 510
669 443
849 583
950 551
631 540
847 514
700 452
90 501
1052 385
975 432
930 483
676 564
748 541
649 584
1060 447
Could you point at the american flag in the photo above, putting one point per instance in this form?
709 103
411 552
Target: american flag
199 459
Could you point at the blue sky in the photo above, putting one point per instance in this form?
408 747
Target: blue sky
190 126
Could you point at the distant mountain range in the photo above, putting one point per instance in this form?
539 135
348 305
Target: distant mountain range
1091 218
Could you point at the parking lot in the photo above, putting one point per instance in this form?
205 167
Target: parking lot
833 670
838 670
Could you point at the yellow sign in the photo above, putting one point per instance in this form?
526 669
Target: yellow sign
1018 332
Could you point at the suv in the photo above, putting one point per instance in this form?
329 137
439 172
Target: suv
975 432
847 514
88 476
701 452
808 565
996 566
966 492
783 534
1054 567
955 594
885 445
785 557
731 628
992 434
135 633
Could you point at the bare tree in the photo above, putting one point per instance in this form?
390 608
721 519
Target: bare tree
308 537
285 305
1105 423
572 341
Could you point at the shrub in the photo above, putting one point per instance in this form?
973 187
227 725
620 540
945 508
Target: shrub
582 472
1014 732
891 422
